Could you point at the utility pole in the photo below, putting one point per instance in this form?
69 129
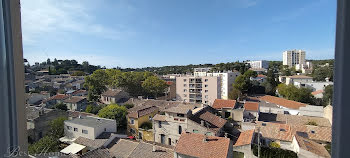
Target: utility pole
258 142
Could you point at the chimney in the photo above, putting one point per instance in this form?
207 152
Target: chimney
225 135
154 148
202 122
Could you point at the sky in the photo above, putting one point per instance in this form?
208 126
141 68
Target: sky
141 33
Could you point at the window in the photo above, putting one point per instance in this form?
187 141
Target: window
206 91
206 85
180 129
185 90
169 141
162 138
185 80
185 85
76 129
105 129
180 115
159 124
195 131
185 95
69 127
206 80
150 117
84 131
132 121
206 96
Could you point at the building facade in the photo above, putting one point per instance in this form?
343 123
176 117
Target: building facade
201 89
293 57
259 64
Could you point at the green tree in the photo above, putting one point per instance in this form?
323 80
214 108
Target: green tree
274 145
297 94
146 125
61 106
328 95
94 109
285 71
116 112
44 145
234 94
128 106
96 84
57 127
154 85
78 73
321 73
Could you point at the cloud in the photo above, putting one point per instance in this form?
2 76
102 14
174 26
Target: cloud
40 17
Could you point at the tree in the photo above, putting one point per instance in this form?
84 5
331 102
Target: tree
44 145
57 127
234 94
285 71
146 125
96 83
61 106
297 94
328 95
312 123
48 61
78 73
94 109
155 86
321 73
128 106
116 112
274 145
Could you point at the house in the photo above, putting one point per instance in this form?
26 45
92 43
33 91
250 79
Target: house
294 119
307 148
168 127
318 134
80 93
244 143
35 98
38 121
170 93
251 111
78 84
203 146
161 104
55 100
75 103
125 148
224 107
296 78
318 93
260 78
137 122
288 106
113 96
88 133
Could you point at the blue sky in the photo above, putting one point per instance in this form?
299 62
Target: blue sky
139 33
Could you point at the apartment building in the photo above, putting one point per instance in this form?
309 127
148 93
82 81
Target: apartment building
169 127
227 79
259 64
294 57
201 89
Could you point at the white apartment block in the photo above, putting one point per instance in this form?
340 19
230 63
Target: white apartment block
259 64
201 89
201 71
294 57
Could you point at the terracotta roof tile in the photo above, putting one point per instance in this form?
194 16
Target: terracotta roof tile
159 117
275 131
193 144
300 76
323 134
251 106
294 119
59 97
111 92
312 146
245 138
317 92
282 102
221 103
213 122
74 99
142 112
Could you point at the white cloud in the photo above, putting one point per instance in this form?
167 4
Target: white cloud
40 17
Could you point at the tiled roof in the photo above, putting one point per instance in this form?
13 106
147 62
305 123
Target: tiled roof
312 146
294 119
75 114
282 102
79 91
317 92
132 149
97 143
161 104
33 112
111 92
245 138
275 131
59 97
221 103
213 122
300 77
179 109
251 106
74 99
142 112
159 117
97 153
261 75
315 133
193 144
169 82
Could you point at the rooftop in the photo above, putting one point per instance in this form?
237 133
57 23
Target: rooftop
111 92
199 145
161 104
282 102
181 109
74 99
316 133
34 112
275 131
222 103
300 77
213 122
142 112
294 119
312 146
251 106
97 143
317 92
59 97
159 117
245 138
90 121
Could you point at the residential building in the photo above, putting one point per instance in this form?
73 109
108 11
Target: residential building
38 121
88 133
201 71
227 80
203 146
243 143
251 111
225 107
134 149
260 78
75 103
137 120
258 64
80 93
170 93
294 79
314 86
307 148
177 120
294 119
55 100
204 89
161 104
259 70
113 96
293 57
311 110
288 106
